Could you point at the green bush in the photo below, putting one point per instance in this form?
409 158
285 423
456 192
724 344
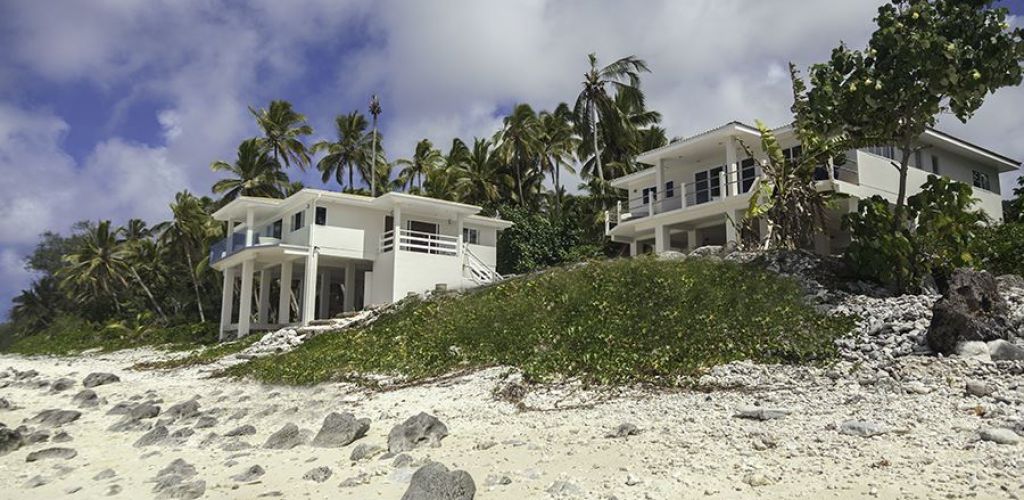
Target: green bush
71 334
1000 249
629 320
538 240
937 241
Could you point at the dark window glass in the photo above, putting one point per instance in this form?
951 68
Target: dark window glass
650 193
748 171
471 236
275 229
670 189
389 223
935 165
297 221
320 217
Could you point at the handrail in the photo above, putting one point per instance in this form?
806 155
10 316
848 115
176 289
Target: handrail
419 241
479 271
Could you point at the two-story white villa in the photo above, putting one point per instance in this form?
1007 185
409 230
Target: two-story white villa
696 188
327 252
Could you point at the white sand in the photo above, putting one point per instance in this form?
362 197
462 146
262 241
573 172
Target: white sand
690 447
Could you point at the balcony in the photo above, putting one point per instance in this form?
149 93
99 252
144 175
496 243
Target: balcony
417 241
219 250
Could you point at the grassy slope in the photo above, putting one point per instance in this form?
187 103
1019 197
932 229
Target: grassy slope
630 320
70 335
203 356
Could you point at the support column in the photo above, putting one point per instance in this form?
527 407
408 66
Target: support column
309 288
731 168
231 239
263 312
350 287
227 299
662 239
731 234
691 239
245 299
250 219
325 294
284 301
634 248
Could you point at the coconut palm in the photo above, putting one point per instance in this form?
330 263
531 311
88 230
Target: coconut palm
189 232
353 149
255 173
480 178
594 100
557 146
283 129
36 307
375 111
425 159
518 146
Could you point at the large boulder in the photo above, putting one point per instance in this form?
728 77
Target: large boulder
971 309
416 431
341 429
286 438
434 482
10 439
97 379
55 418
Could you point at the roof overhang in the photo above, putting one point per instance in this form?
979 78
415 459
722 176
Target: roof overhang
238 208
678 148
499 224
972 151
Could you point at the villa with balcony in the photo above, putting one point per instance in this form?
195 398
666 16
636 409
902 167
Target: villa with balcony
697 189
319 253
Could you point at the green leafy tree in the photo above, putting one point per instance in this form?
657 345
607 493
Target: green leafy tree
353 149
926 58
946 224
283 129
189 233
518 146
557 146
254 173
425 159
481 180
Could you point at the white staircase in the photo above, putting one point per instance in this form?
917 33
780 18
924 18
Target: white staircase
476 269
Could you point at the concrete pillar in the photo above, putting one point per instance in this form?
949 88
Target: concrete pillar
250 219
350 286
662 239
731 234
634 248
659 187
325 294
691 239
263 312
309 288
245 298
231 234
458 231
227 299
284 301
731 168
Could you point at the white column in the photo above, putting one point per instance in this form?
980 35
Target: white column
731 167
659 188
284 300
250 219
231 234
245 298
227 299
309 288
263 312
634 248
350 286
731 235
459 224
691 239
325 294
662 239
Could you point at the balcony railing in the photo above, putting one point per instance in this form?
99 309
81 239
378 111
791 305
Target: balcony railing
219 250
418 241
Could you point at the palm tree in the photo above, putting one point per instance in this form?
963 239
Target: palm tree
283 130
36 307
424 160
375 111
353 149
189 232
480 179
624 76
255 174
557 144
519 144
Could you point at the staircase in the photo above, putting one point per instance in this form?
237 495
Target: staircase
476 269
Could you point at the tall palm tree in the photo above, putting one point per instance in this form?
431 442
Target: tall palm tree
557 146
255 173
189 232
594 99
424 160
375 111
519 144
283 129
36 307
480 179
353 149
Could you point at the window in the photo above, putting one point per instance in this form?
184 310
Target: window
274 231
792 154
471 236
297 221
918 160
748 171
649 193
707 185
883 151
670 189
389 223
935 165
320 217
981 181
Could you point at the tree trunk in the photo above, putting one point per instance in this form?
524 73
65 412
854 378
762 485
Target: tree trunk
373 160
597 154
519 181
195 286
352 177
558 190
898 221
138 279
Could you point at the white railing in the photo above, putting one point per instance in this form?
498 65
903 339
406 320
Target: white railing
479 271
418 241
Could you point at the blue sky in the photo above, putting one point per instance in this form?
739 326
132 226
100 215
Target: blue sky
108 107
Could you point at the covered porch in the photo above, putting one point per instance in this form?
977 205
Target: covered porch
267 289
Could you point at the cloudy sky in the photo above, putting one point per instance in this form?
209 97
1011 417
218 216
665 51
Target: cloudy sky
109 107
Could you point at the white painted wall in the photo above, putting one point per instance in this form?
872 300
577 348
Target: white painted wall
382 279
487 254
419 272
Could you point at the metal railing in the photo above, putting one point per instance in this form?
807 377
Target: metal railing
479 271
418 241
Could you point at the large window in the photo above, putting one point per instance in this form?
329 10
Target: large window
650 194
274 230
471 236
935 165
792 154
320 217
981 180
670 189
748 172
298 221
707 185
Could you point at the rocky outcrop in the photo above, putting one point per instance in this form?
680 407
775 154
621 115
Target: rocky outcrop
340 429
434 482
419 430
971 309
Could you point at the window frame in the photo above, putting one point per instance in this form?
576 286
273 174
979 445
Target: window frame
707 184
317 219
981 180
471 235
298 220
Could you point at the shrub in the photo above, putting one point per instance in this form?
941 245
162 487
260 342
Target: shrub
627 320
1000 249
538 240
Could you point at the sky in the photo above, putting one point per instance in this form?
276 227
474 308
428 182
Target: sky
109 107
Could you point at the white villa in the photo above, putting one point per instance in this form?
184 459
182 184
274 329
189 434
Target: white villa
697 187
336 252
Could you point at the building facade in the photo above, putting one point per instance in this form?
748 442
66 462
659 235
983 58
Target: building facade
319 253
697 189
